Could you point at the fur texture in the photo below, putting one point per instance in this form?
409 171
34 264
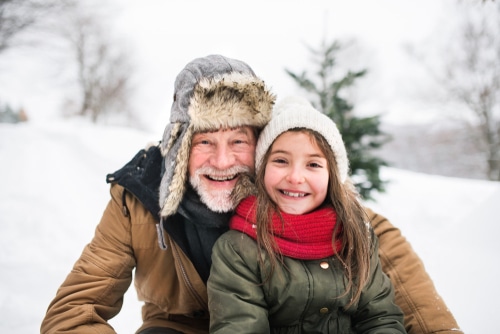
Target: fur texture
230 101
221 98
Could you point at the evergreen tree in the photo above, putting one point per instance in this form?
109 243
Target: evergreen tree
361 135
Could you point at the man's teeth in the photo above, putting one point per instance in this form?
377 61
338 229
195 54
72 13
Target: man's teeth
293 194
221 177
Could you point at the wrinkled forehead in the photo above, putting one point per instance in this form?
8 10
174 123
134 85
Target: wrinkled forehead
248 130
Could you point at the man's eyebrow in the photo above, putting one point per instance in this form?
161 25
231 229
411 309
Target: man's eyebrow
242 129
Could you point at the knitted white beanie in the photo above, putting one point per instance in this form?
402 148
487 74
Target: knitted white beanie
296 112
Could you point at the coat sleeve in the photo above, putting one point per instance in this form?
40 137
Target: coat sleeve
424 310
235 296
377 312
93 291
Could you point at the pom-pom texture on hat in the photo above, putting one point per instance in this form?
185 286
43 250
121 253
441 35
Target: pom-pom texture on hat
297 112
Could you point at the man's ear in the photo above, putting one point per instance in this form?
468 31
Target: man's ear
245 186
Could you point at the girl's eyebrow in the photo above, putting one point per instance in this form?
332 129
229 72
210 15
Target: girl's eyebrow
314 155
317 155
280 151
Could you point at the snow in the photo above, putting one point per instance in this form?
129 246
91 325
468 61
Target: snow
53 192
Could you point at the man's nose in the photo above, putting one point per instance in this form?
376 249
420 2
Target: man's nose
223 157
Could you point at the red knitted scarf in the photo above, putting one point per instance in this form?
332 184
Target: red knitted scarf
305 237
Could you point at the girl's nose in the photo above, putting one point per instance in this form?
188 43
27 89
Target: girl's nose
295 176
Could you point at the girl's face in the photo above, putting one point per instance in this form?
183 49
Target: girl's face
296 174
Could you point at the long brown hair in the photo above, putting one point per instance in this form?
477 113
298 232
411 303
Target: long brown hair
351 225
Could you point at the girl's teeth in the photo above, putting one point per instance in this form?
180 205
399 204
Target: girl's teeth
293 194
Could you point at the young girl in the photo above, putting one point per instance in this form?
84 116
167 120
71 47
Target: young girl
300 256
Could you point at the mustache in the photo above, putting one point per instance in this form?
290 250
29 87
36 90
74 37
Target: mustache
208 170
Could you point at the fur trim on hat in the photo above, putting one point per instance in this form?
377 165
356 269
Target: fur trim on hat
230 101
227 94
296 112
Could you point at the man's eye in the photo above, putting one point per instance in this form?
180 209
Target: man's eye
240 141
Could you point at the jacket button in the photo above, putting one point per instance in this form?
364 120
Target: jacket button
323 310
324 265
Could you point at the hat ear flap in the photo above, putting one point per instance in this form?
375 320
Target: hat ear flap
175 151
172 133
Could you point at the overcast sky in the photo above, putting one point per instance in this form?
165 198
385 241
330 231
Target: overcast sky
270 35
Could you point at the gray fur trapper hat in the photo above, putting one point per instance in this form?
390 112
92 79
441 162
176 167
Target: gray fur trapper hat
210 93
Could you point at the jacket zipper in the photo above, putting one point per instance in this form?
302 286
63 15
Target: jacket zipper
185 276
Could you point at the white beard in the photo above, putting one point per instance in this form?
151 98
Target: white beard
215 200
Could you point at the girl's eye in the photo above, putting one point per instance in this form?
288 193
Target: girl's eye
279 161
315 165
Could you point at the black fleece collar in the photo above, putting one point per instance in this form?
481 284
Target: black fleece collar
202 227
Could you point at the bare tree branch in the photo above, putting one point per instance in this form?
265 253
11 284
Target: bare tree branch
103 66
468 71
19 17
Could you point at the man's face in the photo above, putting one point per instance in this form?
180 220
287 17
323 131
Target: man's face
216 160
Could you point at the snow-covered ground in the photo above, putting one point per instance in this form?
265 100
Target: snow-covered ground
53 192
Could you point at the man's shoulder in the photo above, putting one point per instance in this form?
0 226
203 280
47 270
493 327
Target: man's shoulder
379 222
141 177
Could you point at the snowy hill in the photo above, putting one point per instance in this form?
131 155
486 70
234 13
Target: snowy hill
53 192
444 141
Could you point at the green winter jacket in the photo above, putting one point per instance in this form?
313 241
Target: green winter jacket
302 299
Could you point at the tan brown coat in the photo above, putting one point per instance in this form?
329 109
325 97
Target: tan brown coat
174 294
424 310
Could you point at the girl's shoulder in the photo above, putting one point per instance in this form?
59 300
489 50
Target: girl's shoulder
236 242
236 238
